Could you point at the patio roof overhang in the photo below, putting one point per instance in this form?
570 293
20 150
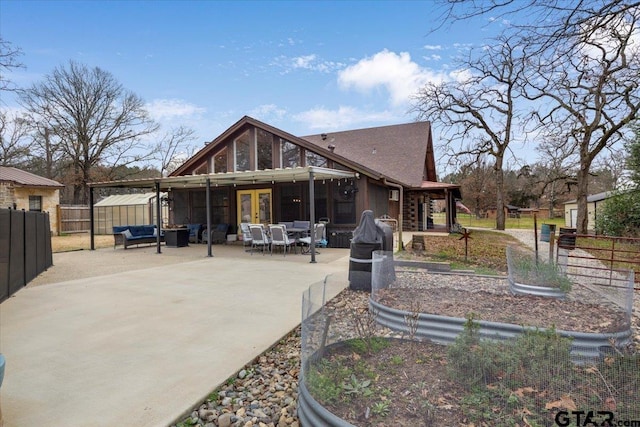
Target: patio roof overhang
231 178
205 181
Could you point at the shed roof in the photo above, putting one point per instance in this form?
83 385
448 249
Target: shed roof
26 179
127 199
598 197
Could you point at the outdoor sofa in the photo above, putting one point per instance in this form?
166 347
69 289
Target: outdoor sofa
129 235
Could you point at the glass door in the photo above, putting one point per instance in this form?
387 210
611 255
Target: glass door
254 206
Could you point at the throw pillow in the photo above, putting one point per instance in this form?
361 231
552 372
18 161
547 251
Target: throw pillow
155 231
127 234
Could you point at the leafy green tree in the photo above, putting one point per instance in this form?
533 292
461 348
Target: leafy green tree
620 215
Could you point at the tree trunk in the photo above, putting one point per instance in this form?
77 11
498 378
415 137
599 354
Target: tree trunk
583 191
500 218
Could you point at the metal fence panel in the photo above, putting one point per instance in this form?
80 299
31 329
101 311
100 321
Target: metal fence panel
16 254
30 247
5 247
25 248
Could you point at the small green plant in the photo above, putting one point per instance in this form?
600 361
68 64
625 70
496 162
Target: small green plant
525 269
357 387
396 360
381 408
322 384
368 345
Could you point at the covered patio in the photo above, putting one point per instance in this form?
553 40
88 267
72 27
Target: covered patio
238 180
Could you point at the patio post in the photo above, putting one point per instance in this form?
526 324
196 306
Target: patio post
158 217
91 226
208 198
312 215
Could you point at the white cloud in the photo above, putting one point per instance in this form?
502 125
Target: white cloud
167 109
268 112
343 118
309 62
432 47
396 73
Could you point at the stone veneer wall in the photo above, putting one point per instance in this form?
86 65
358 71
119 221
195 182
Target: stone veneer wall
7 195
50 202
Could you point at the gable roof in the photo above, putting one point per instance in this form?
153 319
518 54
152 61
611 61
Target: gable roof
402 152
26 179
396 148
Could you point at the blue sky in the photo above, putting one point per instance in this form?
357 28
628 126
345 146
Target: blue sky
305 67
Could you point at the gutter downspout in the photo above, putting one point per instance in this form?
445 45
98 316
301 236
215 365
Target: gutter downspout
400 219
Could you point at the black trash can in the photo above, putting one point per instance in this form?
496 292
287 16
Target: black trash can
567 238
360 263
370 235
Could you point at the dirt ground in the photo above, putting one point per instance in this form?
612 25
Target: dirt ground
77 241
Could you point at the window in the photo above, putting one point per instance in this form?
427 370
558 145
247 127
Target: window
265 150
35 203
290 202
242 148
220 161
314 159
290 154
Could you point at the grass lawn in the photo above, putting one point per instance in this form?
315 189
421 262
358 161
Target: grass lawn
486 251
467 220
79 241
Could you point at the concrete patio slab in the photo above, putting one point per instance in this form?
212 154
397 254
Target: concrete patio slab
139 347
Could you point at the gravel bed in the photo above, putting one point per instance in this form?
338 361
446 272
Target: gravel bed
264 393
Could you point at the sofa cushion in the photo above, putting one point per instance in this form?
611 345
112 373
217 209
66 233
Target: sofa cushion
127 234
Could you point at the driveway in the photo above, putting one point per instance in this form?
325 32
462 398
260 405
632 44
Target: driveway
142 346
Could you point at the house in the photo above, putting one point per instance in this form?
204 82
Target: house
255 172
393 167
594 204
23 190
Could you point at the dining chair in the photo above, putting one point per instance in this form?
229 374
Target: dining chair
246 235
279 238
318 237
259 237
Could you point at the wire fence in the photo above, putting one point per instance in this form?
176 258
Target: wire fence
392 363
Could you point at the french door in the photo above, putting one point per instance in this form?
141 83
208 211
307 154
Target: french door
254 206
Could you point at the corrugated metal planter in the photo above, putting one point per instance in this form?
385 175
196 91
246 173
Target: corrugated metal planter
540 291
444 330
312 414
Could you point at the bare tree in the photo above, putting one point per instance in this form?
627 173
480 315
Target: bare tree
97 121
174 148
14 149
587 92
582 70
9 55
479 110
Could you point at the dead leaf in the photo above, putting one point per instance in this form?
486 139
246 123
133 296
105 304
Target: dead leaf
521 391
355 356
565 402
610 404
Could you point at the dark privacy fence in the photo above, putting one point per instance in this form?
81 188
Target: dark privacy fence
25 248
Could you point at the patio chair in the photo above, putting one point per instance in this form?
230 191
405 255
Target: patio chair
259 237
194 233
246 235
318 236
279 238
